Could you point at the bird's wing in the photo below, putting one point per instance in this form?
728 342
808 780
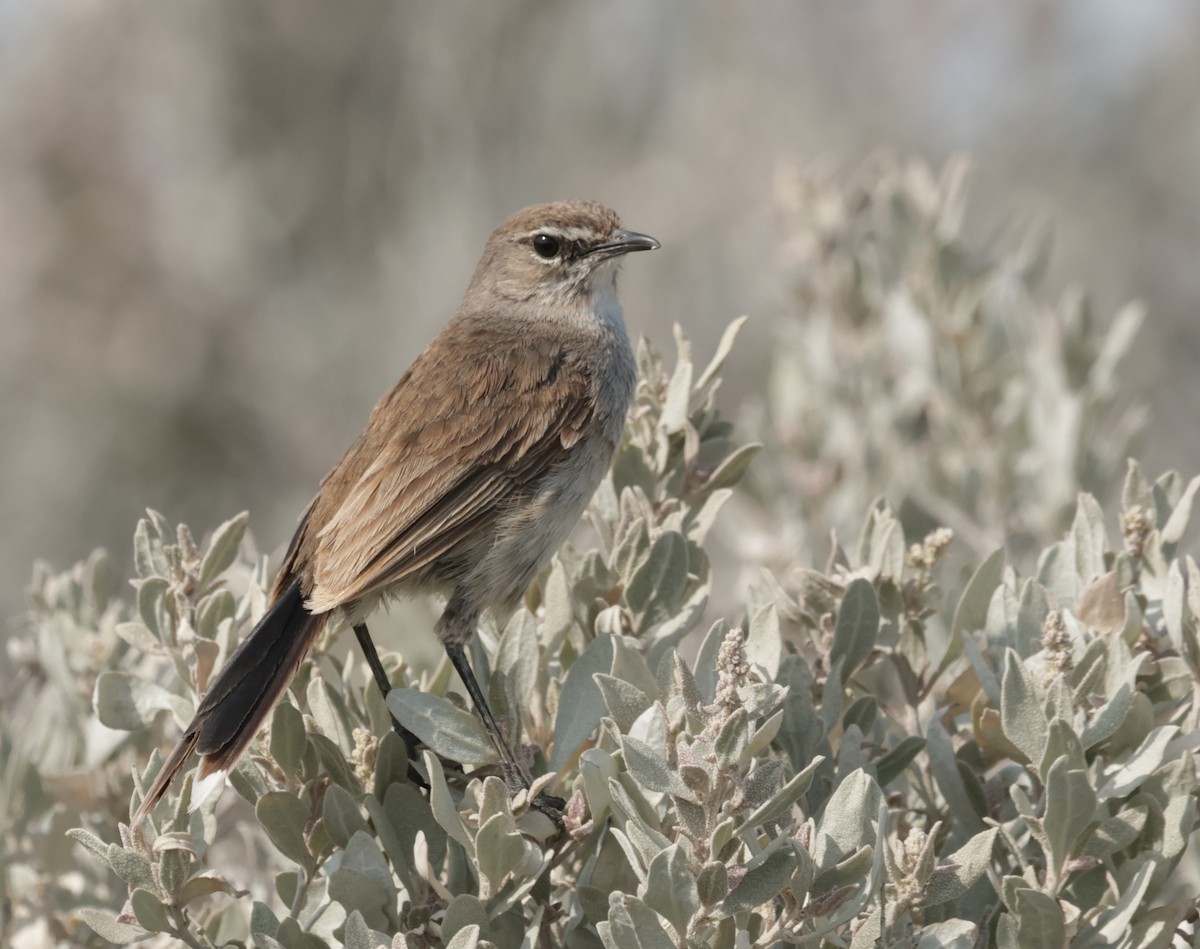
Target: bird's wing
444 451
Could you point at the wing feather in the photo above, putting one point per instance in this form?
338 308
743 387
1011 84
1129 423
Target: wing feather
442 457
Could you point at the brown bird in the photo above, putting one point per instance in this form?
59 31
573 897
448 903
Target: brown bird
471 472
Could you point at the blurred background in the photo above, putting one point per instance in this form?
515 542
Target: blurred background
227 227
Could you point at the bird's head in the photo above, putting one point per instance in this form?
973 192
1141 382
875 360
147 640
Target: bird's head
556 253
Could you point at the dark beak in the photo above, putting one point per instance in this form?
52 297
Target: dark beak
622 242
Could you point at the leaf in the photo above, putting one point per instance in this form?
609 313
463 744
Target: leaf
782 800
657 585
1116 833
580 705
763 643
1021 716
443 727
845 824
963 869
1039 919
222 549
1139 765
1114 923
761 883
465 938
288 738
624 701
1177 523
104 926
341 816
671 889
651 771
971 612
1070 807
679 390
1090 538
149 910
721 354
893 764
631 924
284 817
857 626
126 702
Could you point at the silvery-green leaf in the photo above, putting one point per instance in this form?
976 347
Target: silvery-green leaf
1039 919
1032 610
342 816
850 871
149 598
147 551
1172 531
706 659
763 643
514 671
845 823
104 926
596 767
1061 743
671 889
330 713
1116 833
950 782
333 760
131 867
500 848
624 701
1114 923
358 935
679 390
465 938
1091 539
972 609
1126 778
962 869
445 811
712 885
138 636
762 882
732 469
205 884
1136 491
263 922
630 665
149 910
632 548
1070 807
631 924
212 610
442 726
222 549
284 817
861 713
732 739
580 704
656 586
892 764
1108 718
721 354
857 627
288 738
558 617
363 881
948 934
90 842
126 703
1021 716
651 770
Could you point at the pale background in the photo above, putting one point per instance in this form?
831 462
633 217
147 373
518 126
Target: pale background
226 226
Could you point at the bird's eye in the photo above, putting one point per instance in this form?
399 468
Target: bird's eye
545 246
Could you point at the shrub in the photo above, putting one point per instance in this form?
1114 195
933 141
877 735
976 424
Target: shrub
857 757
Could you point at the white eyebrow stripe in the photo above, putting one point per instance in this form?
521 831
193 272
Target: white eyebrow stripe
566 234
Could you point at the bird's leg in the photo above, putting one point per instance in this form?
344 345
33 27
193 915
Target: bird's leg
412 743
514 772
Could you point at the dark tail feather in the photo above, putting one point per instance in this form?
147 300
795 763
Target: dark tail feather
244 692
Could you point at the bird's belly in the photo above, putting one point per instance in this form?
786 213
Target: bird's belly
527 535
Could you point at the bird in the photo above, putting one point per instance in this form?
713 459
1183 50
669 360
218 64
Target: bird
471 472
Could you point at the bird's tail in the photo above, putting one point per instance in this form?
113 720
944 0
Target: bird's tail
242 695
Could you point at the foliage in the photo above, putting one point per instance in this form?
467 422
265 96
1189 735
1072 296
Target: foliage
859 757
